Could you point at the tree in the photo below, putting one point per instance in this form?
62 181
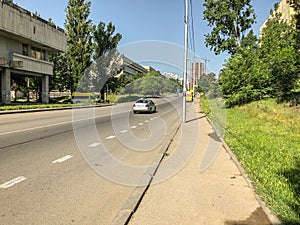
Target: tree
104 39
105 55
244 79
61 74
79 40
278 52
230 20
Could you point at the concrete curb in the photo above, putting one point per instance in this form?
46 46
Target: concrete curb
273 219
50 109
133 202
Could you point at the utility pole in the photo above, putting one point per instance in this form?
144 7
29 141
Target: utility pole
186 18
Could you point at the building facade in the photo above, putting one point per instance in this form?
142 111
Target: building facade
286 11
197 69
25 42
129 68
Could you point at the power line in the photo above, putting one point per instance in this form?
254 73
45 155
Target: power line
192 35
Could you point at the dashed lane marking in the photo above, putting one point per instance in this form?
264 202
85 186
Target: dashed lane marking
62 159
94 145
110 137
124 131
12 182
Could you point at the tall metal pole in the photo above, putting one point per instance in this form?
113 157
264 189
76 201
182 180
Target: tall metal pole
185 60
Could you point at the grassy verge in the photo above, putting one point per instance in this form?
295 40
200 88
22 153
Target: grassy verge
32 106
265 137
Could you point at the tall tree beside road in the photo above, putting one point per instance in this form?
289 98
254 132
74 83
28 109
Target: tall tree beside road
278 51
295 4
230 19
270 69
79 39
104 41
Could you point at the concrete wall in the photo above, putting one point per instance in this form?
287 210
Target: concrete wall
8 45
17 23
32 65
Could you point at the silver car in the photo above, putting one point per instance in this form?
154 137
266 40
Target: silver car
144 105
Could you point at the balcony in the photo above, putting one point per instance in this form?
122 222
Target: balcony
24 63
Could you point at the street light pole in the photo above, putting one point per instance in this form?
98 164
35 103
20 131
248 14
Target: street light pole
185 60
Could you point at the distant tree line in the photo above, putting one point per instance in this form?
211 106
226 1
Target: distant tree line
257 67
150 84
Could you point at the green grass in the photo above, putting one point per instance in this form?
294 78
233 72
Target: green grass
265 137
32 106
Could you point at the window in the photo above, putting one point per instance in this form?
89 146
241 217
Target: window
25 49
38 53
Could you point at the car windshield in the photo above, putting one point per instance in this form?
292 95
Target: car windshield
142 101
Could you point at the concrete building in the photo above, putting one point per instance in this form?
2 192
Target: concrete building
287 13
25 42
197 69
150 69
130 68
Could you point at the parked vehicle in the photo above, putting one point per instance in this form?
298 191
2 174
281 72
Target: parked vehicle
144 105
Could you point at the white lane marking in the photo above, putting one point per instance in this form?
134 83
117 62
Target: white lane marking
124 131
62 159
12 182
141 124
133 127
152 119
146 121
94 145
110 137
50 125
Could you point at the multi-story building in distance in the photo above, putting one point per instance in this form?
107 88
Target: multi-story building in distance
25 42
197 69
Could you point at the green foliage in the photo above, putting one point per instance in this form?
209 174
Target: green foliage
278 52
104 39
230 21
208 85
61 74
244 79
79 40
270 69
33 106
152 84
265 138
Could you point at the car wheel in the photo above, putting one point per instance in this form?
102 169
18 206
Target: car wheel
134 112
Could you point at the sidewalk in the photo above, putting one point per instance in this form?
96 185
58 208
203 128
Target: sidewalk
218 195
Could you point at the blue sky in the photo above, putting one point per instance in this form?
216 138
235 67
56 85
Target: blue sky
142 20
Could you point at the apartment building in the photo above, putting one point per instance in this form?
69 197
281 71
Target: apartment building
197 69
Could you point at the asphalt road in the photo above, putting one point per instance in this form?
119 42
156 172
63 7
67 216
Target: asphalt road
78 166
